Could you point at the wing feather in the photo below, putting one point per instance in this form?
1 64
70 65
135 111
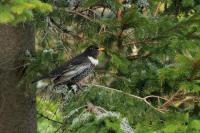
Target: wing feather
73 67
68 66
75 70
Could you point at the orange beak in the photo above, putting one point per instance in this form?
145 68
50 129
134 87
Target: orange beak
101 49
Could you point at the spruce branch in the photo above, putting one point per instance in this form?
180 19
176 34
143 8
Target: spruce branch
195 66
46 117
144 99
187 99
145 41
179 98
79 14
71 113
64 30
76 13
183 24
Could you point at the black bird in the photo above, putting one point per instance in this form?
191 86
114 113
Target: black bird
75 69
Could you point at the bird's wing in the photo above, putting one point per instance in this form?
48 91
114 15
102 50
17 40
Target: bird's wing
68 70
73 71
68 66
74 66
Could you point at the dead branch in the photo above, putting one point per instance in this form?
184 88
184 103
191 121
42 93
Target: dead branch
171 100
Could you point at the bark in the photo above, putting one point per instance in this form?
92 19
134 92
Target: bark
17 103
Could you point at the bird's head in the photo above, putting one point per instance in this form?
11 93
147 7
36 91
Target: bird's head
93 51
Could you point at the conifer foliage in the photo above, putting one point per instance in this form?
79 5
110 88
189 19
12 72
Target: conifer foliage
148 79
152 51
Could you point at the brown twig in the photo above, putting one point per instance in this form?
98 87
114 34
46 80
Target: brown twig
80 14
95 109
171 100
187 99
120 14
157 8
148 41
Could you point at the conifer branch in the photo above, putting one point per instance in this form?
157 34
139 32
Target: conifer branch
144 99
79 14
74 111
171 100
76 13
64 30
46 117
145 41
183 24
194 69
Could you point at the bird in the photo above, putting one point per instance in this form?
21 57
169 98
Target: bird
76 69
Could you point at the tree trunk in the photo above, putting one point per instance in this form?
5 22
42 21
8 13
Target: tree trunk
17 102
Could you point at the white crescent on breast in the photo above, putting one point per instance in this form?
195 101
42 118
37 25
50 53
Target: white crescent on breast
93 60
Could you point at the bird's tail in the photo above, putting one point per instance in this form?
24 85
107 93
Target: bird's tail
38 79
